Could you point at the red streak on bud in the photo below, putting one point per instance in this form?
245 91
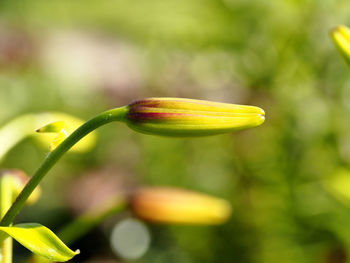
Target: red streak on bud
146 102
146 116
172 103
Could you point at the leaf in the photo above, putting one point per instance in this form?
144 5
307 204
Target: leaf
40 240
54 127
54 123
58 127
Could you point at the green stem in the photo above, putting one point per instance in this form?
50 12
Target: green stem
6 199
99 120
90 219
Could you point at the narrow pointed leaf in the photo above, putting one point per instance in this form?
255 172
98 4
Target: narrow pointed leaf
58 127
54 127
40 240
49 125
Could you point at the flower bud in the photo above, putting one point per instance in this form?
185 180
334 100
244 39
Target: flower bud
171 205
186 117
341 38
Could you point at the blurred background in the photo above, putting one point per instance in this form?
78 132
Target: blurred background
287 180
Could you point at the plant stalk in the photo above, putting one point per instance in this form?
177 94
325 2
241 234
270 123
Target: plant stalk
117 114
6 199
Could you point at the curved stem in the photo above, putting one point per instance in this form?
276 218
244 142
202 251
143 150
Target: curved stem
99 120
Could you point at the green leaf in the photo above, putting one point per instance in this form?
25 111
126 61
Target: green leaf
58 127
40 240
54 127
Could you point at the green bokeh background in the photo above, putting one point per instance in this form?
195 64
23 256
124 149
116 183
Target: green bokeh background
82 57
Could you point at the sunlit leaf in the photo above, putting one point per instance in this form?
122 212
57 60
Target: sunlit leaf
40 240
338 185
58 127
55 127
25 126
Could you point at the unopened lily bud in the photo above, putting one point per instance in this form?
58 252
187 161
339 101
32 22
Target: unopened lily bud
341 38
187 117
178 206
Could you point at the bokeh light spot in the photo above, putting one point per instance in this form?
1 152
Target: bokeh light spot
130 239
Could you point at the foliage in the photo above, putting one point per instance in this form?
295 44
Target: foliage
40 240
273 54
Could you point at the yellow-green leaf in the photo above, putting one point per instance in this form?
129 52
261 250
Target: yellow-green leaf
58 127
69 125
54 127
40 240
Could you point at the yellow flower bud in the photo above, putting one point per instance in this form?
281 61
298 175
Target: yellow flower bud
341 38
171 205
187 117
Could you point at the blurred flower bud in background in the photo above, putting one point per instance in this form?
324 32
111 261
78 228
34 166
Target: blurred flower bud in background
19 180
17 47
178 206
95 189
187 117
